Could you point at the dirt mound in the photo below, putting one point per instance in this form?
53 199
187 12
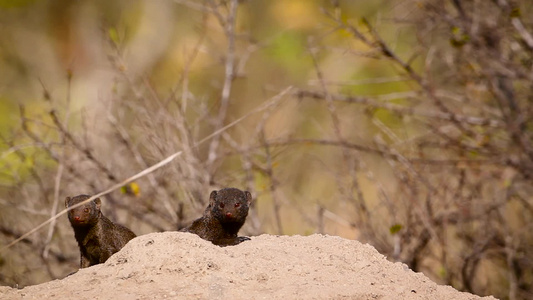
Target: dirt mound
174 265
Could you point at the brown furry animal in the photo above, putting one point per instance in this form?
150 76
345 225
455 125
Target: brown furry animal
223 217
97 237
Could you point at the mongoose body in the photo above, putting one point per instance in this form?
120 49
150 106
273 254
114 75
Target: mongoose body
97 237
223 217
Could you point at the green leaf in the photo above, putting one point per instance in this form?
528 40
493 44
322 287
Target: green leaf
15 3
515 13
113 35
394 229
442 272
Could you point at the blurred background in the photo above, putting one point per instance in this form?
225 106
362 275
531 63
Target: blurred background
403 124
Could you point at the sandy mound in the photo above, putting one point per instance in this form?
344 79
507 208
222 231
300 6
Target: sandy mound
174 265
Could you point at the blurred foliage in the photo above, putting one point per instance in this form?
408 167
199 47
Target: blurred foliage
15 3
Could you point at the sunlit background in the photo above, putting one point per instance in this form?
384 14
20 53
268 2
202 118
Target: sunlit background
380 121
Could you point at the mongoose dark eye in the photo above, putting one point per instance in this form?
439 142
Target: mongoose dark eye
221 205
86 209
237 204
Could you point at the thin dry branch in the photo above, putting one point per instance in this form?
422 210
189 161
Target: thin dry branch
86 151
109 190
125 138
402 110
59 173
349 160
517 22
151 169
229 73
383 153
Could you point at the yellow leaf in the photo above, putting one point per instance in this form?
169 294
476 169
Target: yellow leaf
132 189
113 35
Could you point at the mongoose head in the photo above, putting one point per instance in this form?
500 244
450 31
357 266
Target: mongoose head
83 215
230 204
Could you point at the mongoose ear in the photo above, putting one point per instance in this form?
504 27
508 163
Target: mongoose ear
67 200
98 202
248 197
212 197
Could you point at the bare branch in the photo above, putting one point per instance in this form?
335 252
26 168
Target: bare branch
402 110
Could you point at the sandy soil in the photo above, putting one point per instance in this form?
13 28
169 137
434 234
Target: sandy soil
174 265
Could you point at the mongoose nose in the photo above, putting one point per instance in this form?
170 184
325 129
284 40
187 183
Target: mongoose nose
76 218
228 214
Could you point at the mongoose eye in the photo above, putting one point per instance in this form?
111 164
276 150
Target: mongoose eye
221 205
86 209
237 204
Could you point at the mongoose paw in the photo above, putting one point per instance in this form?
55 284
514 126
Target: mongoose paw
243 238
